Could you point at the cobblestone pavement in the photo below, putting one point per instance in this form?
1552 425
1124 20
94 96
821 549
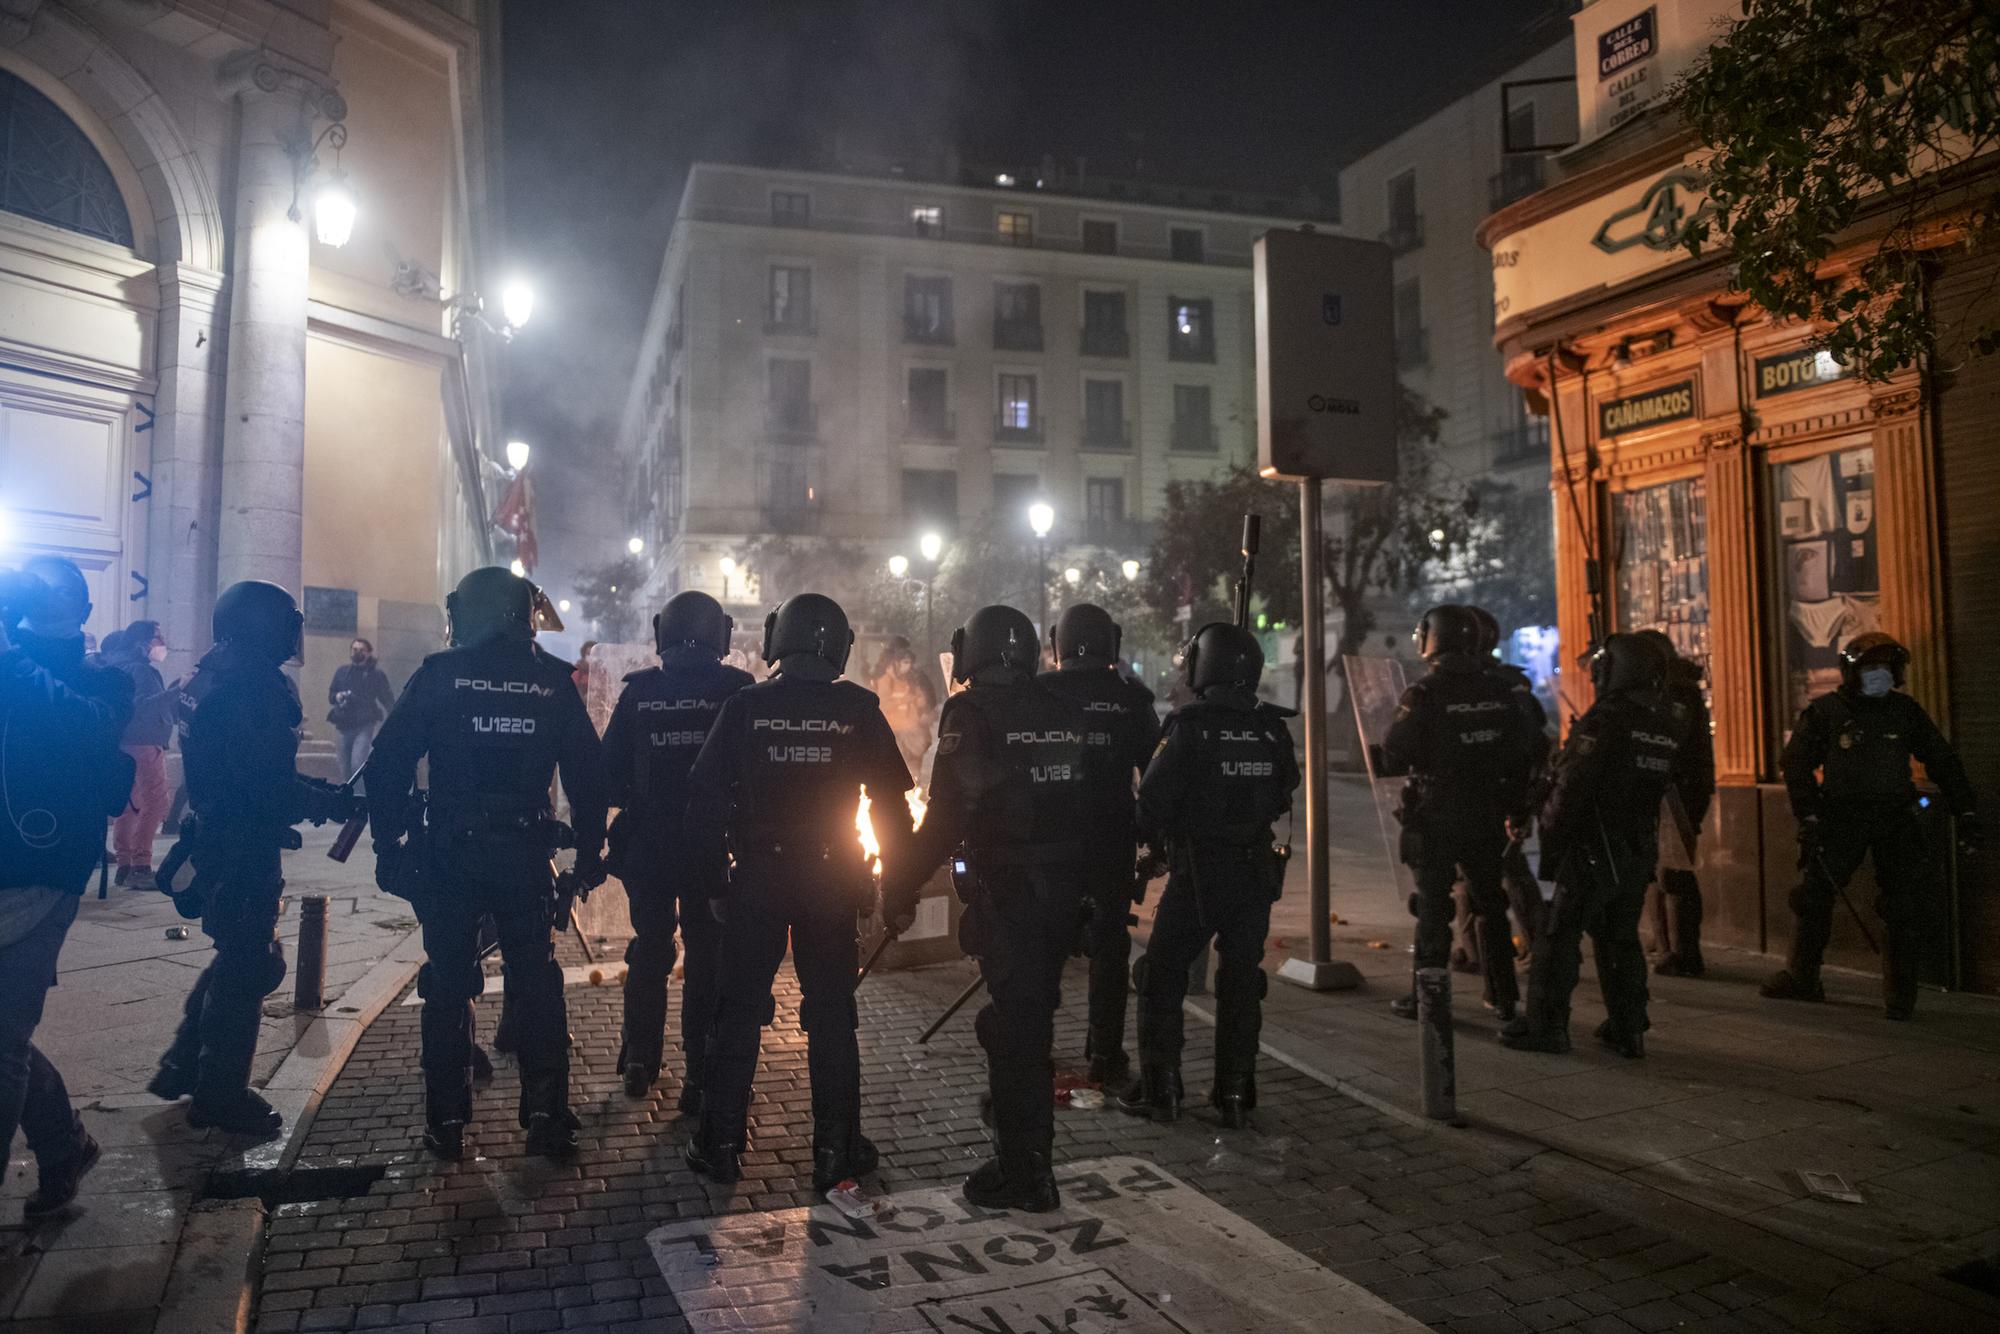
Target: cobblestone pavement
1463 1239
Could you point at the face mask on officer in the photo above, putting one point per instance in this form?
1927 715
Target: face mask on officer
1877 681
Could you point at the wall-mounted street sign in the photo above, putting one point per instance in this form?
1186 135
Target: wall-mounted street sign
1801 368
1668 403
1326 363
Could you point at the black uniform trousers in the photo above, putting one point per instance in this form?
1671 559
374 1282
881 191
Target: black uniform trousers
1436 852
1679 933
451 980
764 911
1109 884
1894 836
662 901
1524 895
1602 892
1223 893
217 1038
1021 926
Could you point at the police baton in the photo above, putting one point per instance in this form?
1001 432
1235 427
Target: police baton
1819 860
888 939
952 1009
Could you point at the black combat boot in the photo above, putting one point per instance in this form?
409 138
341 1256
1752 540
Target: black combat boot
1110 1067
689 1103
171 1082
1627 1043
720 1163
638 1080
1788 985
244 1114
1405 1005
445 1139
841 1153
1156 1094
1234 1098
58 1182
1015 1181
553 1134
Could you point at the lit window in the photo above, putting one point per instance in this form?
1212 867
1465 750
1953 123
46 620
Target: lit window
1017 229
927 220
791 208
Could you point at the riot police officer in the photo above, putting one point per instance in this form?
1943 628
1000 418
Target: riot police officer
240 717
1223 771
1470 738
1688 800
1006 786
1861 738
497 716
1600 833
1123 732
780 778
1517 877
656 730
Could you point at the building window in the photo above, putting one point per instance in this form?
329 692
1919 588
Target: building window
790 310
1013 492
1016 228
1017 317
789 408
927 310
1104 414
930 498
1659 550
1406 226
1190 328
49 170
1019 421
1104 332
791 208
927 220
1829 575
1187 244
788 494
929 403
1104 509
1412 339
1194 425
1100 237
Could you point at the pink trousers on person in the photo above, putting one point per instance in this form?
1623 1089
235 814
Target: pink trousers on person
133 832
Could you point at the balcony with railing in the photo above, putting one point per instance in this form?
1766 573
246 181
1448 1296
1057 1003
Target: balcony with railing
791 323
1015 429
1404 233
1105 341
1194 434
791 419
1520 175
929 424
1106 433
1017 335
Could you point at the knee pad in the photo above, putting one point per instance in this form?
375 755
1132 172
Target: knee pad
1245 982
449 984
649 953
1140 972
759 1012
829 1015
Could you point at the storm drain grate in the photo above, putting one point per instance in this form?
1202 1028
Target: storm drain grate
300 1185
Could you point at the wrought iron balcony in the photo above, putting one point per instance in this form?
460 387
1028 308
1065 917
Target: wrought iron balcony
941 424
791 420
1106 433
1405 233
917 330
1105 342
1007 430
1017 335
796 325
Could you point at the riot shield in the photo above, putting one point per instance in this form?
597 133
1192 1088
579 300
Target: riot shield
1375 685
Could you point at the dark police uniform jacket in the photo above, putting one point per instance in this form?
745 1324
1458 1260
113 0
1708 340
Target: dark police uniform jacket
239 716
1608 782
1223 771
497 719
1121 733
1470 735
780 778
1864 747
656 730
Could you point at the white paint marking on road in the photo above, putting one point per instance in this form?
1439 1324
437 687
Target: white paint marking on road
574 975
1132 1249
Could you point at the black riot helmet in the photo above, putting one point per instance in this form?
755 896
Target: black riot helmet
490 603
693 620
259 618
1489 631
1222 654
1086 631
50 593
808 623
1448 628
1873 649
992 637
1626 662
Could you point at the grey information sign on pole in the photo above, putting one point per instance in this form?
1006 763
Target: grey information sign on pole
1326 411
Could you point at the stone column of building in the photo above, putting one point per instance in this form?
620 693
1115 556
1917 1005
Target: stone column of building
1906 509
1735 664
180 536
263 425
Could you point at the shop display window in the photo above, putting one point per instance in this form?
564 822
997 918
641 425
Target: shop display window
1660 553
1827 579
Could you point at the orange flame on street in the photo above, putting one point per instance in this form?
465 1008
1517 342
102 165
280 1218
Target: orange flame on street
864 827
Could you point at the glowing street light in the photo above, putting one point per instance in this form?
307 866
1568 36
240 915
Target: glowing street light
1131 569
563 606
932 546
1041 518
1072 576
334 210
898 566
520 570
728 567
517 454
636 545
517 303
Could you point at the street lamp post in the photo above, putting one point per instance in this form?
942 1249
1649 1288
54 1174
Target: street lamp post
931 547
728 567
1041 518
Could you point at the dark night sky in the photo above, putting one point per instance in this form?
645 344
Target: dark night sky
608 101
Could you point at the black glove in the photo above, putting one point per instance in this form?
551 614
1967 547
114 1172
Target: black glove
1971 837
388 859
899 910
589 872
1377 761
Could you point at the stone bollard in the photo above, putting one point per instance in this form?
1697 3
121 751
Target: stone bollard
1439 1063
310 969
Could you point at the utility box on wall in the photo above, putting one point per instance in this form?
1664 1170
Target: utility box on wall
1327 397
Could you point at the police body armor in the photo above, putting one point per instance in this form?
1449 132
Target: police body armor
1867 760
1242 780
672 708
1604 803
1021 792
1119 738
1468 742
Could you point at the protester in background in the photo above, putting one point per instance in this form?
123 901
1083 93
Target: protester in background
361 697
138 650
909 700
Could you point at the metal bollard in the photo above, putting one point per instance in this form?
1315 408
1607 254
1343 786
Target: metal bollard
310 969
1440 1064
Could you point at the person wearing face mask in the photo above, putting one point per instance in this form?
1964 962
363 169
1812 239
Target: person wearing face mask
361 698
138 650
1847 772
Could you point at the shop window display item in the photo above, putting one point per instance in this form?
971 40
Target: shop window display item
1827 577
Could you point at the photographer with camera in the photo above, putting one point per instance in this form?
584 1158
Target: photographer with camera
62 777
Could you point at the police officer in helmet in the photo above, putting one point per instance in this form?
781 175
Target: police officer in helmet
779 781
1517 877
1223 771
1847 772
498 717
1123 731
1600 839
656 730
1694 788
1006 785
1470 738
240 717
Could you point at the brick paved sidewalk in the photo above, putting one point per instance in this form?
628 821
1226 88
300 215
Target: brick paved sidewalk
1462 1238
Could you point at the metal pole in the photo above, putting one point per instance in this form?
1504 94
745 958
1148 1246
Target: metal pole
309 978
1440 1064
1042 583
1318 972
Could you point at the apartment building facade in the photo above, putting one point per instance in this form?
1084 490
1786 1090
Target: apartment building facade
864 359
